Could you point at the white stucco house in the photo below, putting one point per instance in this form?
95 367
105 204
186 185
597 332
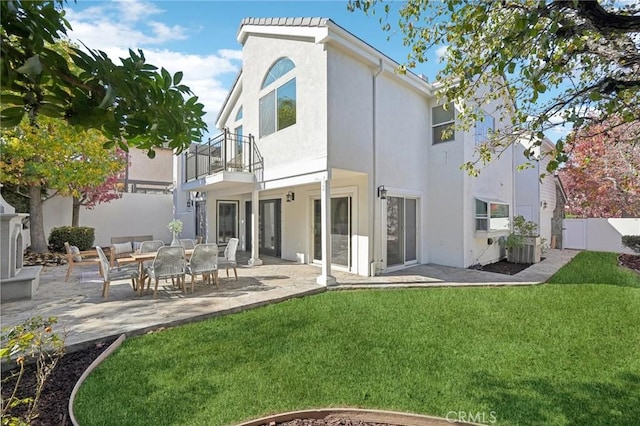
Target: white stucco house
326 152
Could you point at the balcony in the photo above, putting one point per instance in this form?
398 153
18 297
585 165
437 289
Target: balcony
224 161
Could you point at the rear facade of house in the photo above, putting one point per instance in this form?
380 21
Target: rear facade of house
327 152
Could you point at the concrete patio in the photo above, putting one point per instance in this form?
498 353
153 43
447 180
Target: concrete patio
86 317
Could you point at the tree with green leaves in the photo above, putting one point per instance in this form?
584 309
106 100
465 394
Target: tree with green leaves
132 104
573 62
54 158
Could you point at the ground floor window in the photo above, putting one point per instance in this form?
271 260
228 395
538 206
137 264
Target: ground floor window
402 238
340 231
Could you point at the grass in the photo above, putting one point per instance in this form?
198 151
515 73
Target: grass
594 267
550 354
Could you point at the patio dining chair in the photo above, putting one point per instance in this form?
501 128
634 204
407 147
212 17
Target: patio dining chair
150 246
114 273
187 243
169 263
204 260
228 260
76 257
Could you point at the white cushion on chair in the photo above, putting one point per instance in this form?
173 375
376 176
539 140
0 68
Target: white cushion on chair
122 248
75 251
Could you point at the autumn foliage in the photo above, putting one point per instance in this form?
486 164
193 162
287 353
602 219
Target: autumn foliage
602 176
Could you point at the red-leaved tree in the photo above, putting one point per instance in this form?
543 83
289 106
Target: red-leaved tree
602 176
90 196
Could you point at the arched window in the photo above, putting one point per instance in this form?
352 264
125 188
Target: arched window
277 70
278 106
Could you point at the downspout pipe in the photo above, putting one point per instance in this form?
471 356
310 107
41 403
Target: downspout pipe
374 201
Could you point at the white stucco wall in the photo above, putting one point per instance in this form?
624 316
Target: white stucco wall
350 112
158 168
133 214
303 145
495 182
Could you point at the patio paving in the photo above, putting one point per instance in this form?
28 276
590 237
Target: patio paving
86 317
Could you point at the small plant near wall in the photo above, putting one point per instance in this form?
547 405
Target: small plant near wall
524 244
33 340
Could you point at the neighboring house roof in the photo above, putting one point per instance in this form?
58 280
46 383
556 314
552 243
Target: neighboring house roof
561 186
323 30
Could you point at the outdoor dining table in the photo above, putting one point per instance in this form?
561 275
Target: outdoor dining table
141 257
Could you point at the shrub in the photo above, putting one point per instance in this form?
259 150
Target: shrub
632 241
81 237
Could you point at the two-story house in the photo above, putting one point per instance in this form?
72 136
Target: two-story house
329 156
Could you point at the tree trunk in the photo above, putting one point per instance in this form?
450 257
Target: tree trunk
36 220
75 213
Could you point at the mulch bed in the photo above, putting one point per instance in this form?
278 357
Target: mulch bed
631 261
54 400
502 267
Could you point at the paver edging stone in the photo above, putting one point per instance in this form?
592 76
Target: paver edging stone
373 416
115 345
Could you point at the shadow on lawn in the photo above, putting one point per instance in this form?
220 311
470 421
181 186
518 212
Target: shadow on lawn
542 402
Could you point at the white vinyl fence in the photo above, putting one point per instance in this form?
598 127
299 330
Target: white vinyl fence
598 234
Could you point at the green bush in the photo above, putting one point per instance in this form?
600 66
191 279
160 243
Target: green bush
632 241
81 236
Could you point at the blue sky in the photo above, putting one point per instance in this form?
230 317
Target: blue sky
199 37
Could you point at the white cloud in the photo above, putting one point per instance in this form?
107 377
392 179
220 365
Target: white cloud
116 27
441 52
136 10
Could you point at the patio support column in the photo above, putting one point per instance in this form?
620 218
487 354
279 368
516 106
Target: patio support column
326 279
255 243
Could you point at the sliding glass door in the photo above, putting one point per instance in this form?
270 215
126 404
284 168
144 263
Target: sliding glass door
402 240
340 231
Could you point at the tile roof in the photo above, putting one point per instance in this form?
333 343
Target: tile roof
289 22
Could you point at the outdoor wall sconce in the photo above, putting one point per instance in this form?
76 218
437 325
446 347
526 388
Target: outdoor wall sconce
290 196
544 204
382 192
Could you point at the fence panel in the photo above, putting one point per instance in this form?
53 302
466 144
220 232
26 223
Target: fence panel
599 234
574 234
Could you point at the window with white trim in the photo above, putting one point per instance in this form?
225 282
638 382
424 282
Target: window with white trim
442 123
485 125
491 215
278 106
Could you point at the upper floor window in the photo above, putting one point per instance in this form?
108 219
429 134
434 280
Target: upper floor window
485 125
239 113
442 122
491 215
278 106
277 70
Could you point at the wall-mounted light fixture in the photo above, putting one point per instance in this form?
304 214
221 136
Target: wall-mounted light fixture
291 196
382 192
544 204
191 199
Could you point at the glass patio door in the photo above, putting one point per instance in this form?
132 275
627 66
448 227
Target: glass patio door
340 231
269 224
227 221
402 230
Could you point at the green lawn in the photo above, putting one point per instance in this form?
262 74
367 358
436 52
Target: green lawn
550 354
